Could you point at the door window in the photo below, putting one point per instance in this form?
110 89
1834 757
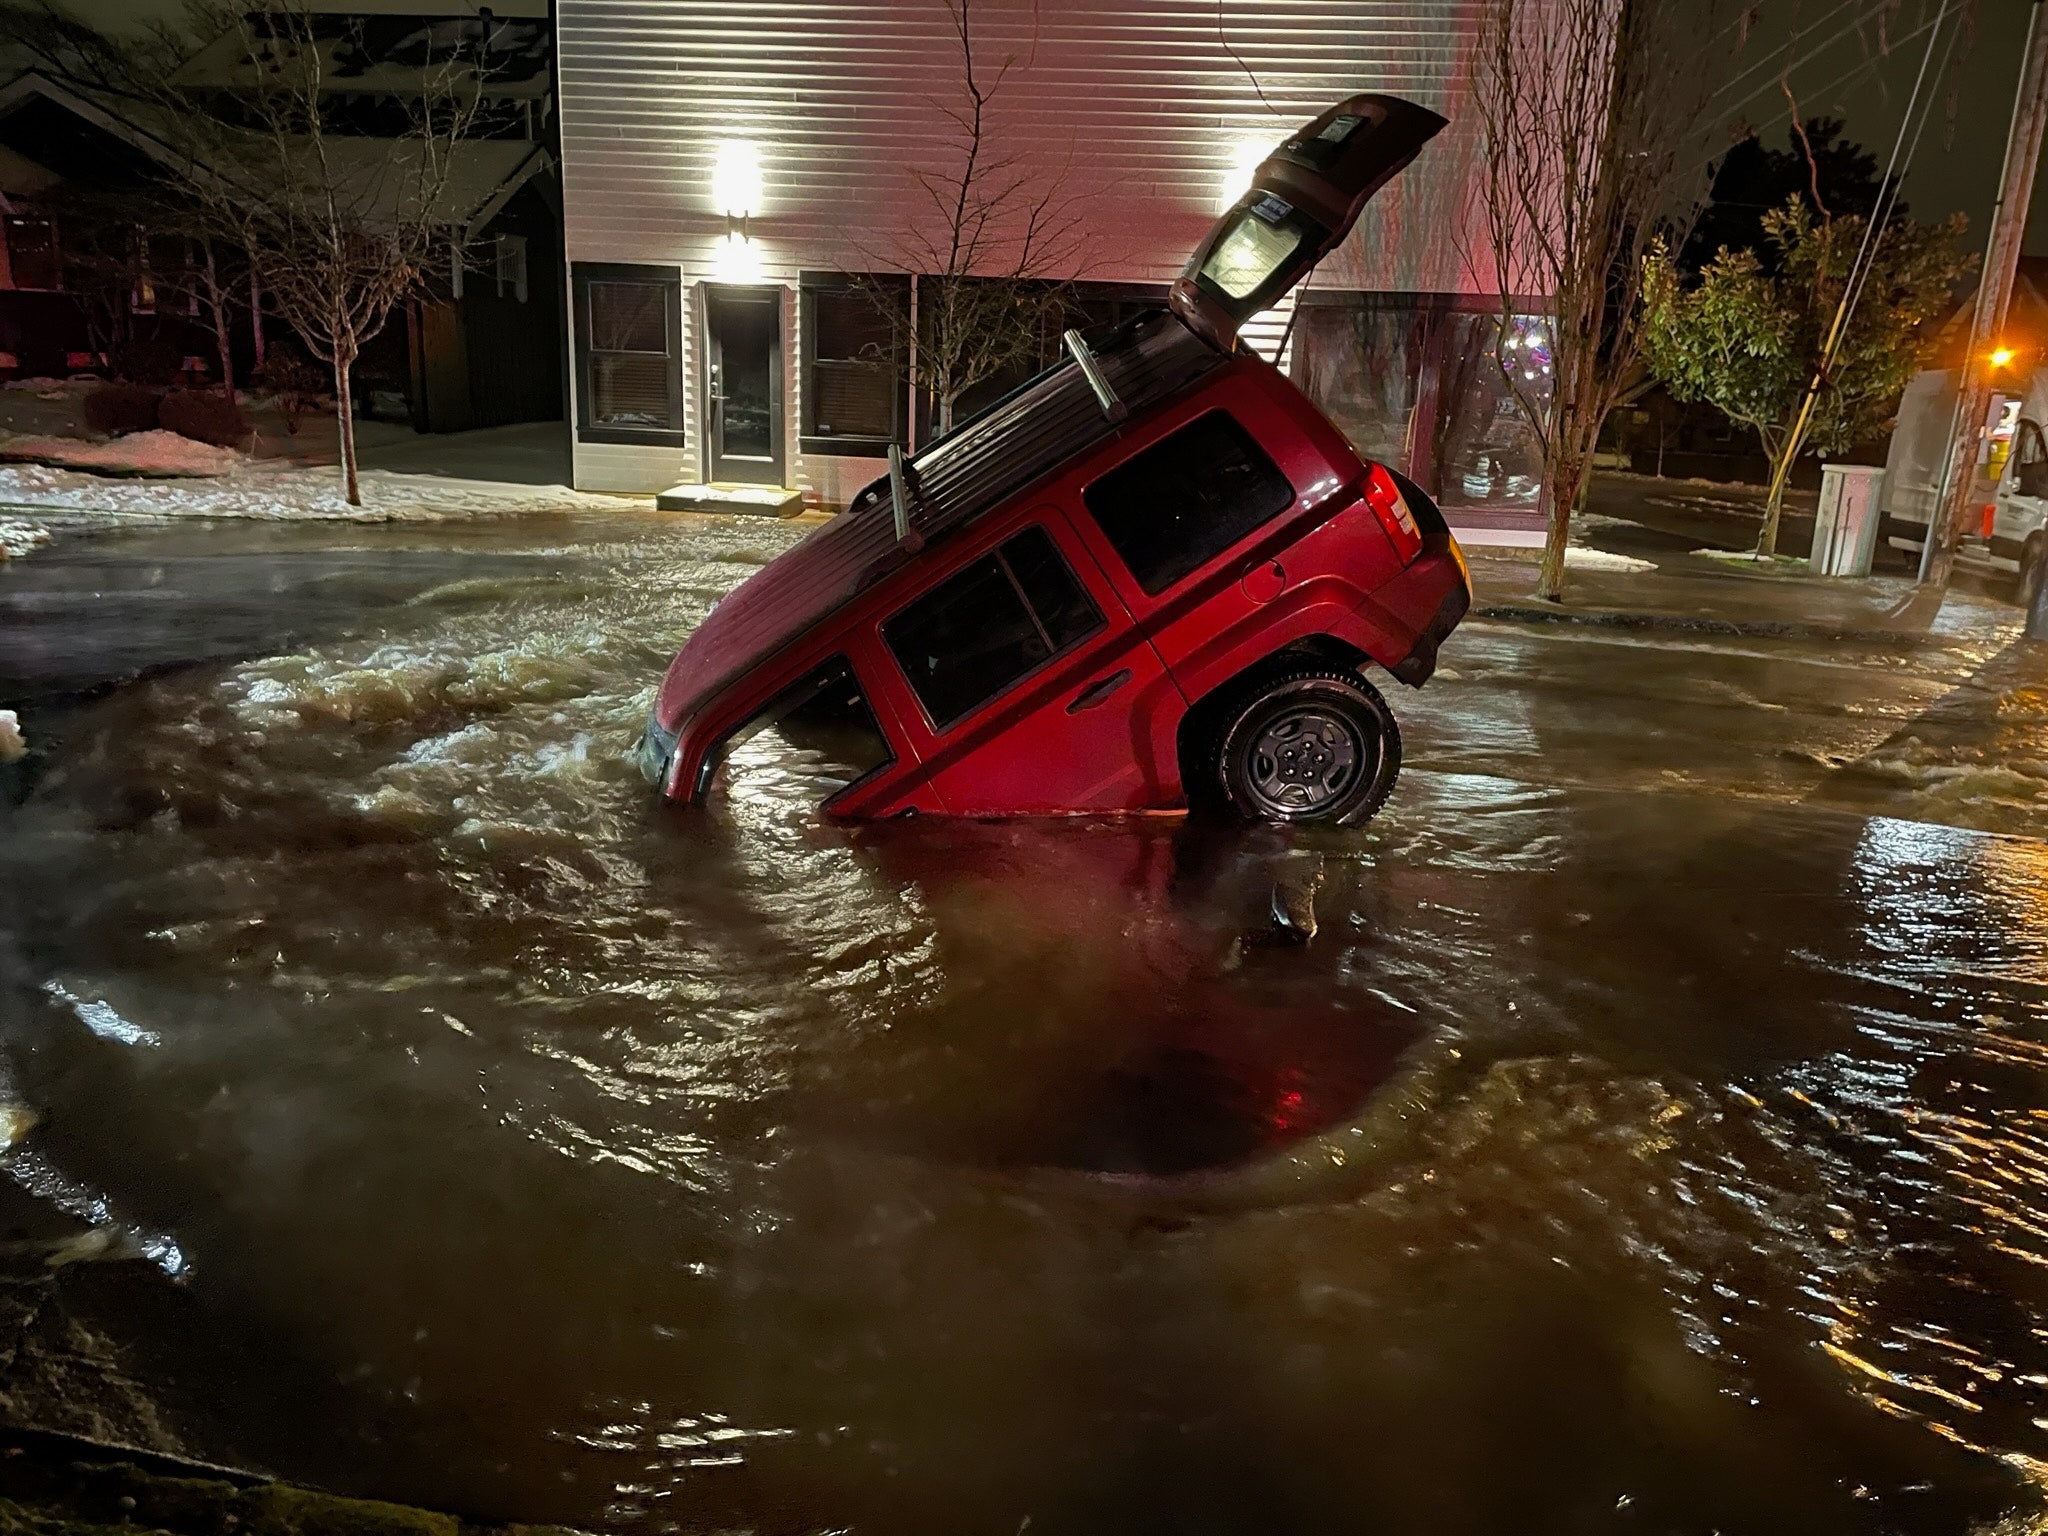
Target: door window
817 737
743 384
1186 499
994 621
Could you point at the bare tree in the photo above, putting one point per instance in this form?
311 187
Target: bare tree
994 244
339 228
1598 146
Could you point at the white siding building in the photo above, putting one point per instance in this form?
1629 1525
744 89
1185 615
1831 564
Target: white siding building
727 164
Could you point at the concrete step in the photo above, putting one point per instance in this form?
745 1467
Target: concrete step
761 500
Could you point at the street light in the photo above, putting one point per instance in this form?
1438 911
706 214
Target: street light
2002 358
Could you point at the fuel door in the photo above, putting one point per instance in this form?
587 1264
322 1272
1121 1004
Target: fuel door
1302 202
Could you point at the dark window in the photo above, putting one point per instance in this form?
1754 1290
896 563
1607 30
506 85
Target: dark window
819 736
629 343
1187 498
854 386
992 622
32 257
2030 462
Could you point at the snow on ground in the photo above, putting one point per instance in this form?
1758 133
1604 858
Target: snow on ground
1579 559
17 538
12 747
155 452
273 492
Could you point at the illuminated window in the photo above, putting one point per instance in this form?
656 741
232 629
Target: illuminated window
1262 241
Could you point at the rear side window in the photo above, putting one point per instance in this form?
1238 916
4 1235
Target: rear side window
1187 498
814 739
994 621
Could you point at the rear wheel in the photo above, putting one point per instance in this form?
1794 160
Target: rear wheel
1311 744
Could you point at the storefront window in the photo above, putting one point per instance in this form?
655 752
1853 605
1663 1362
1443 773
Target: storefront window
1362 362
1487 453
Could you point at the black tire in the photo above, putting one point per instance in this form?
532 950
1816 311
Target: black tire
1310 744
2033 568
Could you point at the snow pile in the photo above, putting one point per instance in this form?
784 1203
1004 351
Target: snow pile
155 452
12 748
272 491
1577 559
18 538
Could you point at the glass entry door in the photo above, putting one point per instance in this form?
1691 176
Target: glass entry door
743 428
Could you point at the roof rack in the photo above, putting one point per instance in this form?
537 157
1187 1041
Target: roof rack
1113 409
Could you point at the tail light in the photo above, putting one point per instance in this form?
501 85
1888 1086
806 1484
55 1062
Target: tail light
1391 508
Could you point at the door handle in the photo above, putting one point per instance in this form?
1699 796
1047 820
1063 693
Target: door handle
1099 690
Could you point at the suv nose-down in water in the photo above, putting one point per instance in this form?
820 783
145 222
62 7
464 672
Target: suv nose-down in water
1155 575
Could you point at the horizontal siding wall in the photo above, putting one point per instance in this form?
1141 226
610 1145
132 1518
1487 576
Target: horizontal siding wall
1137 110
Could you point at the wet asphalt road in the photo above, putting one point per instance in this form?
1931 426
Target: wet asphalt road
1650 1139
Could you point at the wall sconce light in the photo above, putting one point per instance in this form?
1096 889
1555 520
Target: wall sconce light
1245 158
736 185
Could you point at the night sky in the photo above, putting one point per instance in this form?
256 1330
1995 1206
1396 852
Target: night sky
1963 147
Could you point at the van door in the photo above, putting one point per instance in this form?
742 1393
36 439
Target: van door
1032 686
2021 506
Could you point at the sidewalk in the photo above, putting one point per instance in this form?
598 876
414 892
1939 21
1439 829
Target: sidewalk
1685 590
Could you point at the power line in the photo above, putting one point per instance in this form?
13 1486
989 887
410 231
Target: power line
1889 198
1862 67
1793 42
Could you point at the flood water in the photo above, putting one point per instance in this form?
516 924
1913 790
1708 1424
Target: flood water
1651 1138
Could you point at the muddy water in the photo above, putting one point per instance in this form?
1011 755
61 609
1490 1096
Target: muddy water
1651 1137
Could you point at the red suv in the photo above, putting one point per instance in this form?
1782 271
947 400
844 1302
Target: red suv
1153 576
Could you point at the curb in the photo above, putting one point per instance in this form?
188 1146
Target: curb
1780 629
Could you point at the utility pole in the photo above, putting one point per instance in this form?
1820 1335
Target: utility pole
1994 294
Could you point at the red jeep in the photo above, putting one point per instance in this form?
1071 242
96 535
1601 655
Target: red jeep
1154 575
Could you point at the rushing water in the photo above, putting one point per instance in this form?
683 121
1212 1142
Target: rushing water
1648 1140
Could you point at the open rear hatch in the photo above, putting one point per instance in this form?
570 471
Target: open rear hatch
1302 202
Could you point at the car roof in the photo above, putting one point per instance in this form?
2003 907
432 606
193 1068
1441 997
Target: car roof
1030 433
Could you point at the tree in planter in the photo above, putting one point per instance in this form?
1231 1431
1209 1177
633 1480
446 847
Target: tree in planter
1597 119
994 244
1747 337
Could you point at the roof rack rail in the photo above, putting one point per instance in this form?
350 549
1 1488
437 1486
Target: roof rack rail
1113 409
899 499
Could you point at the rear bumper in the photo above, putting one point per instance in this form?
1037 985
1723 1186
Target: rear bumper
1419 665
1902 531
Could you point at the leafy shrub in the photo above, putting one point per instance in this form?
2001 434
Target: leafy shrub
205 416
116 409
146 360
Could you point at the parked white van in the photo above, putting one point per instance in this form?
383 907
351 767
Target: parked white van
2008 521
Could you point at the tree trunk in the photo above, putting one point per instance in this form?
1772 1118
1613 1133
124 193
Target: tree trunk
1781 476
345 425
1567 487
217 301
1774 509
256 318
